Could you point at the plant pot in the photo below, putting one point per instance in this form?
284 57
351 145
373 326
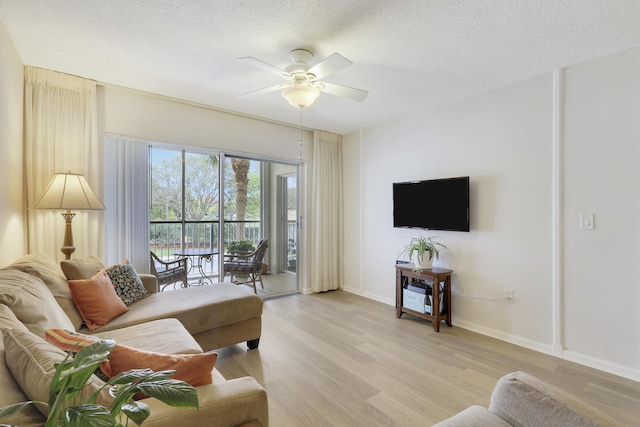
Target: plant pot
425 263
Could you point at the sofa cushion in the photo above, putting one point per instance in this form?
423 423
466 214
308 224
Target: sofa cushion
199 309
9 320
194 369
31 302
10 391
45 268
31 361
81 268
153 336
126 282
96 300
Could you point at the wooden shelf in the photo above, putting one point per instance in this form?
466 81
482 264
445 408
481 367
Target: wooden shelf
440 279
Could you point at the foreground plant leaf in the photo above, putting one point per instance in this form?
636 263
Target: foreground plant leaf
172 392
136 411
89 416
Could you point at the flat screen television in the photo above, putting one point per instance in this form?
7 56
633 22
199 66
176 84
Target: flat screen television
435 204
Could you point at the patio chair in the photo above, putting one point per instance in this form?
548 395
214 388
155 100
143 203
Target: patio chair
169 272
249 265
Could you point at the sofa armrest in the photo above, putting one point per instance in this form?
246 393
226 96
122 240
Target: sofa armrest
522 399
230 403
150 282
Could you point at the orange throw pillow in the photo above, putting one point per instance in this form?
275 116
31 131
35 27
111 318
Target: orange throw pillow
73 342
194 369
96 300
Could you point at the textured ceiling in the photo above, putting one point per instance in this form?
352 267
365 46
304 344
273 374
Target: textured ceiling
411 55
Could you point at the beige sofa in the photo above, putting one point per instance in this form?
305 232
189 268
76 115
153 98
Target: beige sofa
520 399
34 296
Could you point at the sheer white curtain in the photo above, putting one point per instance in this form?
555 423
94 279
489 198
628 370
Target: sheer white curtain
127 202
60 136
326 257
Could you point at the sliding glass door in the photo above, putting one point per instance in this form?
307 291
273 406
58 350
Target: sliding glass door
258 199
288 221
253 212
184 209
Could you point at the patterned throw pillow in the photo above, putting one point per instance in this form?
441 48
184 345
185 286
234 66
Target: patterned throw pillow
127 283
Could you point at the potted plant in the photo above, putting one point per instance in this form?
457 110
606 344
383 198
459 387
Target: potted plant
241 246
423 250
68 407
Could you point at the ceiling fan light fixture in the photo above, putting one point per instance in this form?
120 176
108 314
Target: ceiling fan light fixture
301 95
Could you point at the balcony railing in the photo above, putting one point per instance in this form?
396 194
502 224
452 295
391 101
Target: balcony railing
167 237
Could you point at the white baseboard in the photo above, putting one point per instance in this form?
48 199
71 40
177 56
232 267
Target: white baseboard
602 365
551 350
391 302
512 339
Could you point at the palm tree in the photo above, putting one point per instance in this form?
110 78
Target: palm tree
241 172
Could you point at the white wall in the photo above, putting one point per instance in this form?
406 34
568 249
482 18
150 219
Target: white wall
13 235
602 176
161 119
504 141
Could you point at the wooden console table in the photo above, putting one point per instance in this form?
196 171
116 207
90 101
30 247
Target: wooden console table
440 280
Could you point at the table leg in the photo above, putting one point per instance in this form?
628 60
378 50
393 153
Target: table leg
204 278
447 295
435 303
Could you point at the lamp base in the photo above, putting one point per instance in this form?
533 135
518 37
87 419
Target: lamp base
67 246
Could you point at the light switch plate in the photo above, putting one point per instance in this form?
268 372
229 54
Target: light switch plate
586 221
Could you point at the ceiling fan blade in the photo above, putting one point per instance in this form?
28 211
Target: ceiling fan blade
263 91
329 65
261 64
345 91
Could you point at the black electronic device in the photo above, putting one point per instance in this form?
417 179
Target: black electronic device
435 204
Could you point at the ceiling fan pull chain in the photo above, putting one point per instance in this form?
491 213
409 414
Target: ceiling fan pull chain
300 142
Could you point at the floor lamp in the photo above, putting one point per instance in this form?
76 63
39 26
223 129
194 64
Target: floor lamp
68 191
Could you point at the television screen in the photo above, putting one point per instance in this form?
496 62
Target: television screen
436 204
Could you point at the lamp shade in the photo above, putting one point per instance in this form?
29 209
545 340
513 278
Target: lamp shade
69 191
301 95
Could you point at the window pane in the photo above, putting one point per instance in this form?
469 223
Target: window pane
201 187
166 185
242 199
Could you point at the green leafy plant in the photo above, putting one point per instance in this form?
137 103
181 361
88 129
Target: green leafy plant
241 246
421 246
69 407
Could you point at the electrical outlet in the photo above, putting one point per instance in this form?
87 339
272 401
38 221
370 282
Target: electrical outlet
508 296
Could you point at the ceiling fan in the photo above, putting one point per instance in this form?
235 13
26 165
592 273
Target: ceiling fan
303 85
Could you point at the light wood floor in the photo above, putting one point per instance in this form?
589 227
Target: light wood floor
338 359
274 284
